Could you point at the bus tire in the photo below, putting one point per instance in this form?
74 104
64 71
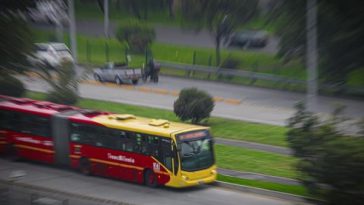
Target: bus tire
85 166
11 153
150 178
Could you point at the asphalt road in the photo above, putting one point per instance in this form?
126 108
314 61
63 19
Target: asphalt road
257 104
68 181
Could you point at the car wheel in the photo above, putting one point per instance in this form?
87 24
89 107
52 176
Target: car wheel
150 179
97 78
118 81
156 78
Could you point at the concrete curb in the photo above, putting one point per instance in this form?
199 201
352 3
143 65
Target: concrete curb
269 193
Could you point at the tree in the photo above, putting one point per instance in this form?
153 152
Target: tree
331 162
220 17
15 35
340 35
10 85
193 104
141 8
138 35
63 81
15 42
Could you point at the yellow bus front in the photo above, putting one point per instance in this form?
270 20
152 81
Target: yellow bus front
195 159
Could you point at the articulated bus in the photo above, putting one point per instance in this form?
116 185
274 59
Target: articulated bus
122 146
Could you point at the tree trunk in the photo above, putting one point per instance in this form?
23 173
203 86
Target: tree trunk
217 41
170 8
135 10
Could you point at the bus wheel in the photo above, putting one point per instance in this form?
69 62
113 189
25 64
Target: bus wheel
12 153
85 166
150 179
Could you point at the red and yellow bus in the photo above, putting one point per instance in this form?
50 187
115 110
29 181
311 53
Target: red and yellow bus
122 146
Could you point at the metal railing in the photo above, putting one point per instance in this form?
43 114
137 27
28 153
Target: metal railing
230 72
254 76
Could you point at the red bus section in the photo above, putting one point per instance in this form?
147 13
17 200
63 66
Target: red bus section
121 146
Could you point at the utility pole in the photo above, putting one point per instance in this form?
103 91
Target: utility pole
71 14
60 13
106 18
311 54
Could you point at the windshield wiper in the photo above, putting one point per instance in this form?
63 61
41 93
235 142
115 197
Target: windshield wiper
188 154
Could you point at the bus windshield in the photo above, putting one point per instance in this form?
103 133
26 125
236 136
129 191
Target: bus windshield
196 150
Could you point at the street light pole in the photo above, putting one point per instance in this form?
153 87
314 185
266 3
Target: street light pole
106 18
71 14
311 54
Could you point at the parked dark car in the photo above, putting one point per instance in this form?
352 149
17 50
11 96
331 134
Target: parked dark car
249 39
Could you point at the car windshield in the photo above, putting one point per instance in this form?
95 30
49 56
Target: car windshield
196 150
61 48
40 47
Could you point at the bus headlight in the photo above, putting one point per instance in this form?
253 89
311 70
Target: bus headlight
184 177
213 172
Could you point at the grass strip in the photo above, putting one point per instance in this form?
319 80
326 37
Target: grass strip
291 189
249 160
220 127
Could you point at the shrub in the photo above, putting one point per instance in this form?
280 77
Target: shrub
138 35
64 83
193 104
9 85
230 62
331 156
65 96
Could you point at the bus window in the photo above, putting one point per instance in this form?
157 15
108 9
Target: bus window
35 125
126 141
118 136
153 146
3 119
41 126
166 155
175 160
8 120
83 134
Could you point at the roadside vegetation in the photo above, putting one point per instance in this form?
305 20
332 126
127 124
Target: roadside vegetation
330 156
291 189
248 160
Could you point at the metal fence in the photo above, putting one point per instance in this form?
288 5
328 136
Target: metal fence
253 77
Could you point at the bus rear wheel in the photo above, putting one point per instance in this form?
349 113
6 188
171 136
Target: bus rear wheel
150 178
11 153
85 166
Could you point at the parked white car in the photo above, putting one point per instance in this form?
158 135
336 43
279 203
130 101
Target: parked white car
118 73
50 54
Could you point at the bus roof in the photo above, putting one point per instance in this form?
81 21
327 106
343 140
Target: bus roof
26 105
144 125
